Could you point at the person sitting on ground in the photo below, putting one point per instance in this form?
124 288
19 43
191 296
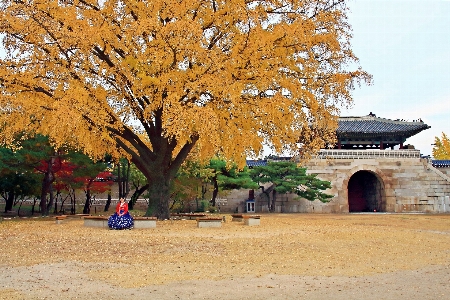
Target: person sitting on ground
121 219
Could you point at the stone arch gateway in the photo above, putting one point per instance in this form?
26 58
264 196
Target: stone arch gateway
370 168
394 181
366 192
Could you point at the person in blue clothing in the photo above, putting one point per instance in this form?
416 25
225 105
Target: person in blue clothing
121 219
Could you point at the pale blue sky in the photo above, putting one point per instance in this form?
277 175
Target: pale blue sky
405 45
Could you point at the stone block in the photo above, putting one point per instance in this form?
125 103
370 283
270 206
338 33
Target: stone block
144 222
327 209
209 223
252 220
92 221
60 219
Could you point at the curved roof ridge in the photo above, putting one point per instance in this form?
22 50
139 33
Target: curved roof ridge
372 126
375 118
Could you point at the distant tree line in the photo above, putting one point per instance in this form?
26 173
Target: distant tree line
34 169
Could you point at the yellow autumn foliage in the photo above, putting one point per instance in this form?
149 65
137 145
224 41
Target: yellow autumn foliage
157 79
441 149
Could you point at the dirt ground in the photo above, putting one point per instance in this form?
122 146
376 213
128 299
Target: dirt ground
289 256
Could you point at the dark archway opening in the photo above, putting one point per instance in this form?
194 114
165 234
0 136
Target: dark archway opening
365 193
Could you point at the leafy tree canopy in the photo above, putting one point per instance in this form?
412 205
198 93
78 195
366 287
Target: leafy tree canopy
441 149
226 176
230 177
153 79
22 166
17 178
287 177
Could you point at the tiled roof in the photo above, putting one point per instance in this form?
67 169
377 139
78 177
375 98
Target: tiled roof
371 125
440 163
256 163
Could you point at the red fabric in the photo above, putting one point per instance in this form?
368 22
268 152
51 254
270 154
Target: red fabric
124 208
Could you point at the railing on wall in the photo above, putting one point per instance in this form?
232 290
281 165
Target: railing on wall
367 154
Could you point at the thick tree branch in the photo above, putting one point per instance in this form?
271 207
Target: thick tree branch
90 5
103 56
184 152
135 141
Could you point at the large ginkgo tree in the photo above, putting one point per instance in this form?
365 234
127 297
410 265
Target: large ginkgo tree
155 80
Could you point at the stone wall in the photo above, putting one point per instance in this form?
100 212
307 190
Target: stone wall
411 185
404 185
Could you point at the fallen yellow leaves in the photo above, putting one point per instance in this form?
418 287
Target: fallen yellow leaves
284 244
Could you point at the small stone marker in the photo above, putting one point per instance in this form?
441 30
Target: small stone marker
209 222
252 220
59 219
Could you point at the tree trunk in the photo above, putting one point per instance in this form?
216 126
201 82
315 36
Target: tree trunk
72 202
9 201
204 190
20 205
159 196
274 200
34 204
46 183
87 204
136 195
215 191
58 195
44 190
158 164
126 182
119 180
108 202
52 199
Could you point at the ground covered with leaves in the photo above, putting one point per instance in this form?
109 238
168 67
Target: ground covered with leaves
301 256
